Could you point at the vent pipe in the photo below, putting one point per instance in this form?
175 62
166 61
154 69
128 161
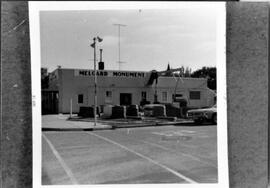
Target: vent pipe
101 63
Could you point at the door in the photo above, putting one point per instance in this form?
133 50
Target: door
125 99
49 102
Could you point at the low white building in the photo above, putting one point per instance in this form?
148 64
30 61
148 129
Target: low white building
76 86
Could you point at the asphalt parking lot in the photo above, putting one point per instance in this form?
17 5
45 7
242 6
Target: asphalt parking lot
158 154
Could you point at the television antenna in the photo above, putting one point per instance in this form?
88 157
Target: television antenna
119 49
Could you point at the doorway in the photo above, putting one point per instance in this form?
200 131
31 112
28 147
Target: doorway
49 102
125 99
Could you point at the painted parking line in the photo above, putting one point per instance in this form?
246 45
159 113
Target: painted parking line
73 147
184 154
149 143
180 133
201 160
145 157
61 161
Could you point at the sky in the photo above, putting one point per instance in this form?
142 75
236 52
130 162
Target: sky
151 39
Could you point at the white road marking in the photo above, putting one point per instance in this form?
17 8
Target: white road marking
149 143
170 150
147 158
73 147
162 134
187 131
61 161
184 154
175 133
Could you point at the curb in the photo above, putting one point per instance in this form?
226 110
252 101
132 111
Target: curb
152 124
112 127
76 129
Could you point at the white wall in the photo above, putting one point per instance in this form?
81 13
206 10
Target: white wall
71 86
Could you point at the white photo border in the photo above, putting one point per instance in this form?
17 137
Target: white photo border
34 19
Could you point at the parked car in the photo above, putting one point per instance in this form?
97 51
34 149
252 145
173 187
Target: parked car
154 110
205 114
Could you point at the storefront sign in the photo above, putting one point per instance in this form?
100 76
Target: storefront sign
109 73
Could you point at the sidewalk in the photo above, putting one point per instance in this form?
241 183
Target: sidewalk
60 123
129 123
65 123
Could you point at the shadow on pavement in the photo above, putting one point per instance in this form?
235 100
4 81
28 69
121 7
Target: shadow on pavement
45 180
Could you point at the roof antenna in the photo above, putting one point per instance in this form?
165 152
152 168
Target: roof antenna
119 25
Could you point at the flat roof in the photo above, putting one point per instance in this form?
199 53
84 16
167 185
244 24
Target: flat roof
128 71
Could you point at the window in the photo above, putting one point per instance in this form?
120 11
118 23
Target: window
143 95
176 97
108 97
195 95
108 94
80 98
164 96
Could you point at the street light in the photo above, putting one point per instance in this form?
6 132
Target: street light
93 45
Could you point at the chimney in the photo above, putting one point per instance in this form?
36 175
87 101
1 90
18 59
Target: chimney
101 63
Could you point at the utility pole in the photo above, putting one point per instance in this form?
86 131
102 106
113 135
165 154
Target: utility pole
93 45
119 53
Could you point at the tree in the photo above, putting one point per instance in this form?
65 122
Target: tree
184 72
44 78
168 69
209 73
187 72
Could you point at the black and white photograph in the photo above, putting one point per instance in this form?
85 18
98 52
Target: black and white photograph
129 93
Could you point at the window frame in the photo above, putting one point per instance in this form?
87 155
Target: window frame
108 94
80 101
192 93
164 97
143 95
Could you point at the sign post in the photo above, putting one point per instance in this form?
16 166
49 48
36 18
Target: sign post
70 115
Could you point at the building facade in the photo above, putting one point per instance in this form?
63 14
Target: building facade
75 87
